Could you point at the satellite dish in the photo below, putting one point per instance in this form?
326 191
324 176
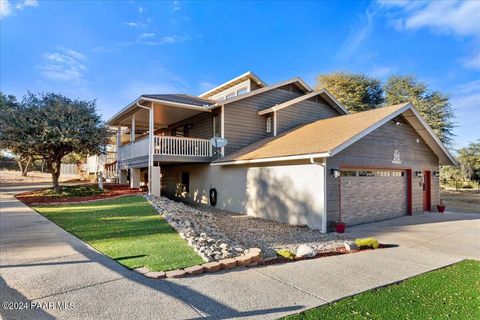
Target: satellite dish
218 142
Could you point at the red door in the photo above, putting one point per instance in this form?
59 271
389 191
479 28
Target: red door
426 192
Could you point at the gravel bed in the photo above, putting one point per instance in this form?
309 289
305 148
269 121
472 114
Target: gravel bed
270 235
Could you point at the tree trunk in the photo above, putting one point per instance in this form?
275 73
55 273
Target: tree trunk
26 166
55 169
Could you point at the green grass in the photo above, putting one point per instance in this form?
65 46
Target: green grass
69 191
126 229
448 293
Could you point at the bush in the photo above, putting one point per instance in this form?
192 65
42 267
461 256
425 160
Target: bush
71 191
367 242
285 254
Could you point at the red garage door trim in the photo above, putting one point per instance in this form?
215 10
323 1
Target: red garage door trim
408 172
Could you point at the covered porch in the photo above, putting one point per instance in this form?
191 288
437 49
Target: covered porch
163 129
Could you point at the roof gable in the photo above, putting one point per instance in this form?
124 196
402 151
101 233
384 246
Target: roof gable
327 137
230 83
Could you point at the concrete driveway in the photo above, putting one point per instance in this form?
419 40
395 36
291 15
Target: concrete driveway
43 264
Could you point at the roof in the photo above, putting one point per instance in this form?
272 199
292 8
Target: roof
295 80
230 83
325 138
323 92
180 98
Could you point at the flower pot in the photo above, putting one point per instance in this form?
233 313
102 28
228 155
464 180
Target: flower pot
441 208
340 227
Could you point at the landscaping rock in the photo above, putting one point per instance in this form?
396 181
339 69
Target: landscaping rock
141 270
255 256
212 266
175 274
155 275
243 260
305 251
195 270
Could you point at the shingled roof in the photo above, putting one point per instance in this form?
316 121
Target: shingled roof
180 98
324 138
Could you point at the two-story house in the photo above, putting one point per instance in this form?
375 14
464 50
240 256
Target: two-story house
293 154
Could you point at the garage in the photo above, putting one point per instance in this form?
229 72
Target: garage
372 194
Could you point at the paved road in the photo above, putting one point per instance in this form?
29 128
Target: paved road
40 262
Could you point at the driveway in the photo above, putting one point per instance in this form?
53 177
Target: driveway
41 263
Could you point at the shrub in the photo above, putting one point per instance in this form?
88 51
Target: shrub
367 242
285 254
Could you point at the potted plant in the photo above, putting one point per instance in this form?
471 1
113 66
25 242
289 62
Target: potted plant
441 207
340 227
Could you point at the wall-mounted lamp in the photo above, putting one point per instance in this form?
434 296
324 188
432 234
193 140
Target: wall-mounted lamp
335 173
418 174
436 174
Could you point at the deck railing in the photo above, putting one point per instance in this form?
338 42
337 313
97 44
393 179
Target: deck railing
168 146
182 146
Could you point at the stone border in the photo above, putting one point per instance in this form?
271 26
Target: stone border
251 259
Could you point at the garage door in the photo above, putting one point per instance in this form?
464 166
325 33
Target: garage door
369 195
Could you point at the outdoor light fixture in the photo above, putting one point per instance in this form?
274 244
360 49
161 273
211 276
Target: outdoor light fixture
335 173
436 173
418 174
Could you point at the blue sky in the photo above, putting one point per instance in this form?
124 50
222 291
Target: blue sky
116 50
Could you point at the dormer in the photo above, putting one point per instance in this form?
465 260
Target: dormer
242 84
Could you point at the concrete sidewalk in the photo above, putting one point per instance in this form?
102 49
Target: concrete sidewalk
41 262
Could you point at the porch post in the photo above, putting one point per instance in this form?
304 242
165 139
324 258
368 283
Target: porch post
222 126
132 133
117 149
274 122
150 149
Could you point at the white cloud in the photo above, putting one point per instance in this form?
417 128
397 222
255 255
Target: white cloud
141 9
26 3
146 35
167 40
135 24
5 8
358 33
465 100
176 5
64 65
381 72
472 62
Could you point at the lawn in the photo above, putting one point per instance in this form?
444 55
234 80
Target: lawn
126 229
461 201
449 293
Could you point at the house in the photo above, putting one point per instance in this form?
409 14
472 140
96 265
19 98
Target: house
293 154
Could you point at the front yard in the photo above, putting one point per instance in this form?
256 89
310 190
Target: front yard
461 201
449 293
126 229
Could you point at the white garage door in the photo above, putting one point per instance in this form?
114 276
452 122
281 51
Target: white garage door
370 195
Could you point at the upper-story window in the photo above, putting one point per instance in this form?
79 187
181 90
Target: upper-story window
230 95
216 126
242 91
268 124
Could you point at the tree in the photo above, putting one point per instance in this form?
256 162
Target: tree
469 161
356 91
51 126
12 117
434 106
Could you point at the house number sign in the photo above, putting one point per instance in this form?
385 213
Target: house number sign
396 157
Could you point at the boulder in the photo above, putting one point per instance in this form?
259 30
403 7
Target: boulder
305 251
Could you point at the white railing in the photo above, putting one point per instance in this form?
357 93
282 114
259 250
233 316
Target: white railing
168 146
180 146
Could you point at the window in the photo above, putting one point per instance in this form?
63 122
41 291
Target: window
242 91
348 173
366 173
230 95
216 126
186 182
268 124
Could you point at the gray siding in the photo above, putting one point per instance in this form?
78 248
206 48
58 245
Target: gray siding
303 112
202 125
243 126
376 150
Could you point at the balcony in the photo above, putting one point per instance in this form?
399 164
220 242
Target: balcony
167 149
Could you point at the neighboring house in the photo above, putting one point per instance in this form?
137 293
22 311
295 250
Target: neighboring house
105 163
293 155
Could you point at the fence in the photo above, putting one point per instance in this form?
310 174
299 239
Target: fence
70 168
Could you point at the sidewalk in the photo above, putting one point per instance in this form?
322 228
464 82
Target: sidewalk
41 262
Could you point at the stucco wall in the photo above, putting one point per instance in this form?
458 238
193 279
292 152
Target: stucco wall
289 193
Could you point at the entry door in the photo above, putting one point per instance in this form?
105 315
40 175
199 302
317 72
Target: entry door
426 192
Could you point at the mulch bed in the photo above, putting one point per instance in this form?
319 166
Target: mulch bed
111 190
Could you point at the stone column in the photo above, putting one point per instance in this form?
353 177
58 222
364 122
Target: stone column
134 178
122 179
155 181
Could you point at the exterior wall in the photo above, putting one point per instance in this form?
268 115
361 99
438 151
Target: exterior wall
304 112
376 151
201 125
286 193
243 126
